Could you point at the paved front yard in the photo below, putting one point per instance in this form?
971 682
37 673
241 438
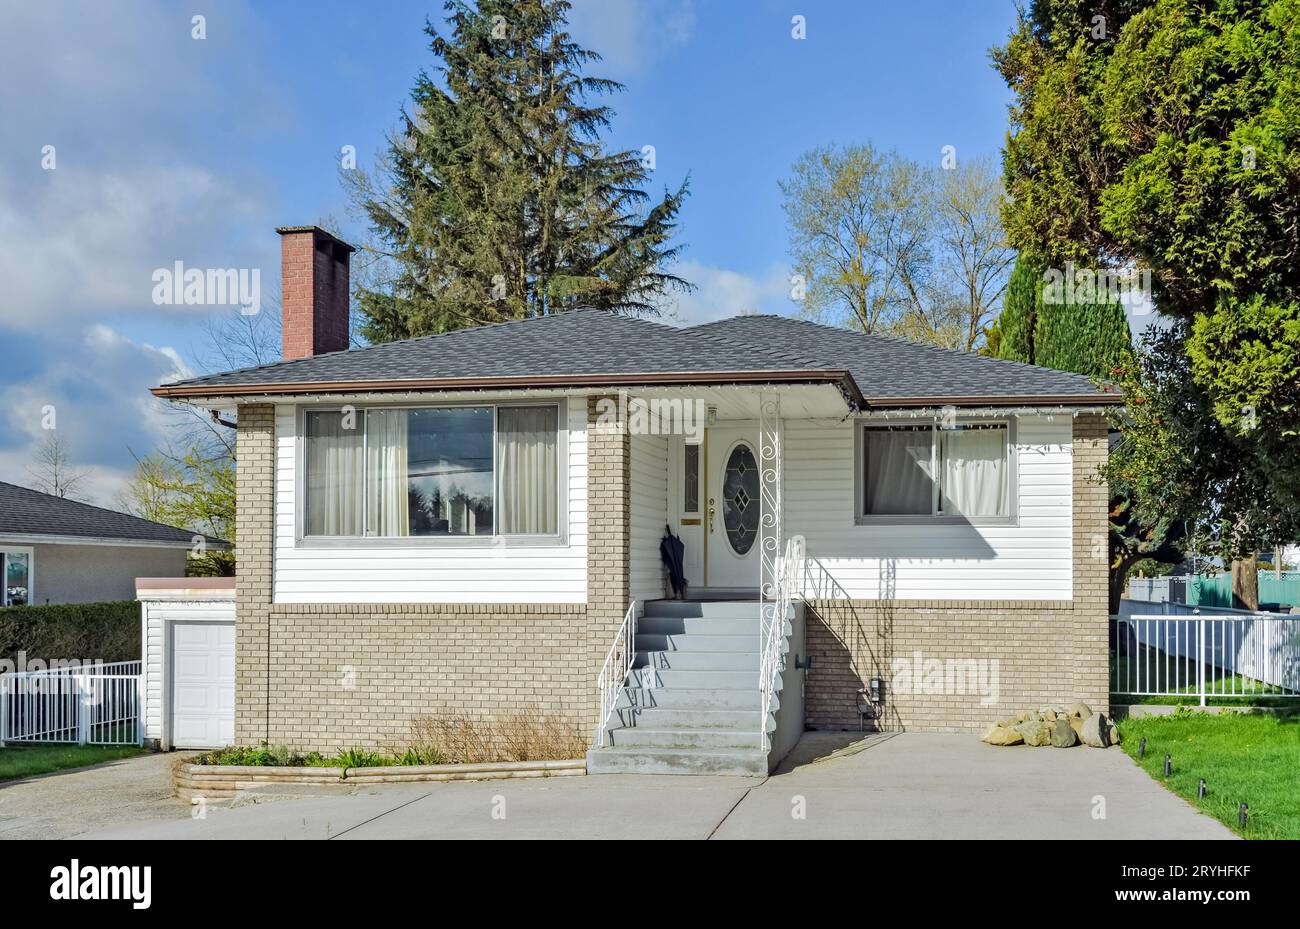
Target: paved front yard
913 785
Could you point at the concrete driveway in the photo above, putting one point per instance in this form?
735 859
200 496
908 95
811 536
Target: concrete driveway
69 803
836 785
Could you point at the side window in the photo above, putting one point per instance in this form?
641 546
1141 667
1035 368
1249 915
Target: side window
691 479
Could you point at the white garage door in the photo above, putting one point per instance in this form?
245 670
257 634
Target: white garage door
203 685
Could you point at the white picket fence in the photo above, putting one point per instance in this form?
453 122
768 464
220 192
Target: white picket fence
1210 654
90 705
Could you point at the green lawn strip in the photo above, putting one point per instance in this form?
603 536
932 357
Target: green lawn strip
1125 671
1243 758
29 760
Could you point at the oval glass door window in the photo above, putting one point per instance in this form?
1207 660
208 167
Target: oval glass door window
740 494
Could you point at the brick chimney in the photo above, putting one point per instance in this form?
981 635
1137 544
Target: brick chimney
313 291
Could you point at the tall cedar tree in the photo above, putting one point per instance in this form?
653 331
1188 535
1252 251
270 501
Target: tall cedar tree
498 200
1019 312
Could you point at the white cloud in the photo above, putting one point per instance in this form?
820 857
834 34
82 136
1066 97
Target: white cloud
631 35
150 130
721 293
89 243
134 109
97 387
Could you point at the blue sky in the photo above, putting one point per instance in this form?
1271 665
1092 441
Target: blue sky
169 148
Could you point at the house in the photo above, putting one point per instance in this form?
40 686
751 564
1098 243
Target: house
55 550
470 523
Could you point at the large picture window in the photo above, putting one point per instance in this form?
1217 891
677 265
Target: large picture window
432 471
963 471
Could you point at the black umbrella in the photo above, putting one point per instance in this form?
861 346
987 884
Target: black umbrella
671 551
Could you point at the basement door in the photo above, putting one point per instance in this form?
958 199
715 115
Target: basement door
731 515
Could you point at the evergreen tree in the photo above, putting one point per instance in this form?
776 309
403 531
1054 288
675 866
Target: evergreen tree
1019 312
1087 338
498 200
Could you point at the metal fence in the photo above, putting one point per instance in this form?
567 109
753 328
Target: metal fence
90 705
1207 654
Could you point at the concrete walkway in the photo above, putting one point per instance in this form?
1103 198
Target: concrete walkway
836 785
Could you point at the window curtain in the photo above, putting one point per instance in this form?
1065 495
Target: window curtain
334 465
900 481
526 462
387 509
974 462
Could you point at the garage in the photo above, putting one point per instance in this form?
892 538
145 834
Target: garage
188 629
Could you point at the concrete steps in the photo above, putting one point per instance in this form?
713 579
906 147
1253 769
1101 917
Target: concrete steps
642 760
691 703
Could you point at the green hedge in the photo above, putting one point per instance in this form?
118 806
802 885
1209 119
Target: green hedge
86 631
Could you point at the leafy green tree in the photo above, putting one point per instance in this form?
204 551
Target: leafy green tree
1164 133
1181 465
498 200
194 491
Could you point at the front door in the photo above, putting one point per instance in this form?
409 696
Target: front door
732 509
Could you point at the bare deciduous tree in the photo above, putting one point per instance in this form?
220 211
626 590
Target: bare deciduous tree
52 470
886 245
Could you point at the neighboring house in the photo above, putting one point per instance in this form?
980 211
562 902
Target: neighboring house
452 524
55 550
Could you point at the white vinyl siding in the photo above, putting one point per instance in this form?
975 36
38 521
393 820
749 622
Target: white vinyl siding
1029 560
649 514
392 572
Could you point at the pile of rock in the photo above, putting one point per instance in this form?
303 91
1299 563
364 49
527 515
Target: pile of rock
1061 727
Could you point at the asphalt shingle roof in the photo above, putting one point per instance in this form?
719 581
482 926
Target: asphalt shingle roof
24 511
893 369
589 343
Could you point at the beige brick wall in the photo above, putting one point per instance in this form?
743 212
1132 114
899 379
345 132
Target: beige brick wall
609 582
1046 651
326 677
254 527
356 675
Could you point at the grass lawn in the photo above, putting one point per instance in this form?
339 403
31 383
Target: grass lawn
1250 759
27 760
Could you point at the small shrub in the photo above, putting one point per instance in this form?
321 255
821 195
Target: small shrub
360 758
263 755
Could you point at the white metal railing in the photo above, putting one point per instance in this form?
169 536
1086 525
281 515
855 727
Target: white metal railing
788 585
1207 655
87 705
613 674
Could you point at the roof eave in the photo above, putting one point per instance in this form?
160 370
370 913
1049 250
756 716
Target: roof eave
1091 399
408 385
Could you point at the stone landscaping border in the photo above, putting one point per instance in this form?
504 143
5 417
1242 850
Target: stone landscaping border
220 782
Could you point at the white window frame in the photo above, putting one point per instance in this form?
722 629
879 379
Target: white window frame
5 551
862 518
559 538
